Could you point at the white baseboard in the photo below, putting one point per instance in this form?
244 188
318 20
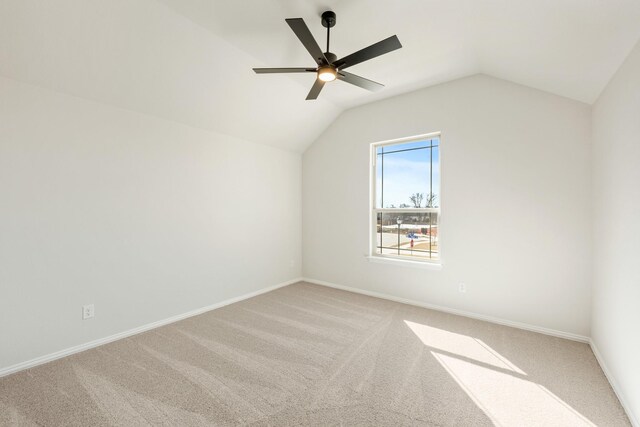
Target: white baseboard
95 343
525 326
86 346
614 384
574 337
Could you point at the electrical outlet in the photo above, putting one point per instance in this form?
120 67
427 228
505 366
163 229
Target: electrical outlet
88 311
462 287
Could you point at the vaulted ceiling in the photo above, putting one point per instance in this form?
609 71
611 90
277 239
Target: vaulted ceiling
190 60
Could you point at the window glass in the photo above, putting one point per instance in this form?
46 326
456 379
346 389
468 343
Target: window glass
407 193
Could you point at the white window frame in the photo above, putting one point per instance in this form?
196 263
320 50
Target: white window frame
374 211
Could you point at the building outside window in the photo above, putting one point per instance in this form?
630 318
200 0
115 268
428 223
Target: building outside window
406 199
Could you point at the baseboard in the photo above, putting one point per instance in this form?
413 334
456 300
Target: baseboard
86 346
95 343
574 337
614 384
525 326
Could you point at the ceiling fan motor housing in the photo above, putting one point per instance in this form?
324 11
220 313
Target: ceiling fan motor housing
331 57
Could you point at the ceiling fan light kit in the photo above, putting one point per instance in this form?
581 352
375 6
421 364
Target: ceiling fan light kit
327 73
329 67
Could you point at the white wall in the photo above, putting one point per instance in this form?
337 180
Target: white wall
143 217
516 201
616 290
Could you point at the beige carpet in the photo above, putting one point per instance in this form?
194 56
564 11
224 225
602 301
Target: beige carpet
310 355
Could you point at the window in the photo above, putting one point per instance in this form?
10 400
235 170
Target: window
406 199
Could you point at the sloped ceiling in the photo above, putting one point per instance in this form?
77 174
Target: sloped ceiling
190 60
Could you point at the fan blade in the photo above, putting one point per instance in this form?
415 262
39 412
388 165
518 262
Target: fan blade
377 49
359 81
302 31
283 70
315 90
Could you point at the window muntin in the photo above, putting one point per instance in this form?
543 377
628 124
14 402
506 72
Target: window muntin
406 205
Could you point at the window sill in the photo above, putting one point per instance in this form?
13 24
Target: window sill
404 263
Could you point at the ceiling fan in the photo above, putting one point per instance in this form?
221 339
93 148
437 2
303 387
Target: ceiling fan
329 67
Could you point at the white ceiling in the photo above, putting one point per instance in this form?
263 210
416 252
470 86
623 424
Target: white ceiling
190 60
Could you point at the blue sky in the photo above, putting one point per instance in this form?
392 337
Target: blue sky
407 172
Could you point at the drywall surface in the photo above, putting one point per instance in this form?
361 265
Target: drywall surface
616 185
143 217
143 56
516 202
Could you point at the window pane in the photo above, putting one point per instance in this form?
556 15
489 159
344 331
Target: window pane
415 236
433 199
379 177
404 174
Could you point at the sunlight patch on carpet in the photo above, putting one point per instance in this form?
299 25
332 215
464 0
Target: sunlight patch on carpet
503 391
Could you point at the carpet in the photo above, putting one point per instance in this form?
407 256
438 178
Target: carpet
311 355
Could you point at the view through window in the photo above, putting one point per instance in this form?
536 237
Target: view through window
406 209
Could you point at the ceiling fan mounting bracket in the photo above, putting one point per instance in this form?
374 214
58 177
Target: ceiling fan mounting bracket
328 19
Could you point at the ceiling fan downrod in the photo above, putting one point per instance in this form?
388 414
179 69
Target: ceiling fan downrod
328 20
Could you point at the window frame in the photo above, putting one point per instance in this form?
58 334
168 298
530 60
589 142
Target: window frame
374 211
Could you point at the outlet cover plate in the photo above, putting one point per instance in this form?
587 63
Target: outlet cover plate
88 311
